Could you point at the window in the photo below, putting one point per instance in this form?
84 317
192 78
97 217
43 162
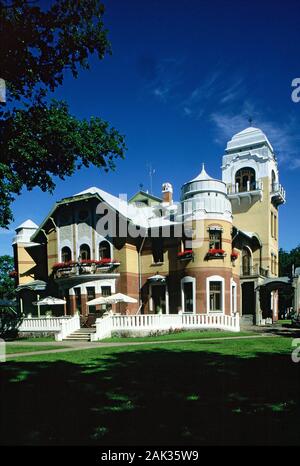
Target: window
215 239
188 297
90 291
157 250
245 179
106 290
104 250
77 292
272 224
273 186
275 226
215 296
246 262
85 252
66 254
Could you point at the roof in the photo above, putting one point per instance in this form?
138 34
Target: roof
145 217
28 224
202 175
145 194
249 136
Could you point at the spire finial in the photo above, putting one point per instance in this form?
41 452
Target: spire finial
203 166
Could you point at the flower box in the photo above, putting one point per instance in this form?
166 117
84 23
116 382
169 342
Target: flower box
234 255
215 253
187 254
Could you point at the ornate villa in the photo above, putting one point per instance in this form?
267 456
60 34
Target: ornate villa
225 260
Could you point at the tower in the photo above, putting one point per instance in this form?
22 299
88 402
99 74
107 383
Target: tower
250 172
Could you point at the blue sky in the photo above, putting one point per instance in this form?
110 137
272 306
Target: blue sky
183 78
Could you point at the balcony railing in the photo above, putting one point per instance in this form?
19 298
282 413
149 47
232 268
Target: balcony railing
250 187
69 269
253 270
277 193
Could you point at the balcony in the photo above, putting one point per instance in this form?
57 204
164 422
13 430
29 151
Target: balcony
250 190
88 267
253 271
277 194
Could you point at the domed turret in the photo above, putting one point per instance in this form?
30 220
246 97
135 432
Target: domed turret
205 196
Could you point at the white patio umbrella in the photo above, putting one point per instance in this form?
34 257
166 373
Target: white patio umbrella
101 300
120 298
48 301
112 299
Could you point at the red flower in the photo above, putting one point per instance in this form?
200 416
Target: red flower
234 255
216 251
186 252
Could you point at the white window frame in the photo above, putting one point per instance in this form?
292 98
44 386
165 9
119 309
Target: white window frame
215 278
182 282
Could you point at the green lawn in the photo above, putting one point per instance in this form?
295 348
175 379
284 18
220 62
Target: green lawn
36 339
11 348
243 391
185 335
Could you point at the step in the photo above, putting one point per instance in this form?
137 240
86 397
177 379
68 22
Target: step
72 338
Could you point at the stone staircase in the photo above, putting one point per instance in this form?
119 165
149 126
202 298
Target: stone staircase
83 334
246 320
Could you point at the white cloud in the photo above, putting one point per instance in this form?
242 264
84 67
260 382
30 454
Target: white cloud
283 137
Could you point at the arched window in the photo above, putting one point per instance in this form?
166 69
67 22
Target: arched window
85 252
245 178
246 261
104 250
66 254
273 186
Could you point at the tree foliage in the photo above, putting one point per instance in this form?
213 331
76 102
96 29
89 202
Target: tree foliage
288 260
7 283
40 139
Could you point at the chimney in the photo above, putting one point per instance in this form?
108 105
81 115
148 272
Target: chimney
167 193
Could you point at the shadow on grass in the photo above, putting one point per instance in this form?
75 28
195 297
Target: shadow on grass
152 397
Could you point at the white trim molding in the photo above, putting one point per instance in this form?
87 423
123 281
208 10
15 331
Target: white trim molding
233 296
215 278
182 282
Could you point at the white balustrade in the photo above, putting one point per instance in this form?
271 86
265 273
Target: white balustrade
148 322
42 324
67 327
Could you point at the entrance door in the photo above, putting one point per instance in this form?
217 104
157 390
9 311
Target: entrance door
248 298
159 298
